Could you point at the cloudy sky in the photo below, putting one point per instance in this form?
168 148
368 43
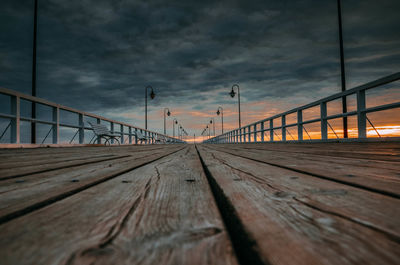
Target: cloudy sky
99 55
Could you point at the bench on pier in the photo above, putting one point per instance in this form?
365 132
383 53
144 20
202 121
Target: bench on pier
140 137
159 139
100 130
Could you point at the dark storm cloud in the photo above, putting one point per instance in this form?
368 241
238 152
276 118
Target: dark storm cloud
96 55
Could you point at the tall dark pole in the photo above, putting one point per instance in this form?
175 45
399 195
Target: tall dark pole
174 121
33 124
145 109
165 122
212 120
342 70
222 117
233 95
152 95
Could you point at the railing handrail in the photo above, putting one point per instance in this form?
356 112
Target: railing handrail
42 101
19 95
379 82
356 90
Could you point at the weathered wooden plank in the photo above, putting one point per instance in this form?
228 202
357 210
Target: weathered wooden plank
28 193
382 178
79 157
40 155
339 160
28 170
161 213
371 151
294 218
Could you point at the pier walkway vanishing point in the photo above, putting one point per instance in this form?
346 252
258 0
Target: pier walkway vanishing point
270 203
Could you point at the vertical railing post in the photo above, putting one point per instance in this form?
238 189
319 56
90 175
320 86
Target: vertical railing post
300 125
130 135
98 138
324 121
15 122
271 128
122 133
283 127
56 125
136 137
81 129
262 132
112 131
255 132
361 115
249 134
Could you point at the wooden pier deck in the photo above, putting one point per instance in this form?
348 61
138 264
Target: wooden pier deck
277 203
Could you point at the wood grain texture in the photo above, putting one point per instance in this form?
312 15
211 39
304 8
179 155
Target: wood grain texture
38 156
380 176
29 192
383 151
298 219
161 213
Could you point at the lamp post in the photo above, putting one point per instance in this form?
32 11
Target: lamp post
174 121
152 96
165 125
212 121
33 114
342 69
233 93
222 117
208 131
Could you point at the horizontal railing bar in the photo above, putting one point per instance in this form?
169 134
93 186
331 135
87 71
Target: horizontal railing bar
237 135
383 107
341 115
7 116
378 82
10 92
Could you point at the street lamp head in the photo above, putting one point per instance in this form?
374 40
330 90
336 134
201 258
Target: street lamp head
176 122
152 94
211 121
169 113
218 112
233 93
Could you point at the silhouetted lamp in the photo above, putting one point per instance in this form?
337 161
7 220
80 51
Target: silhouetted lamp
233 93
222 116
165 125
152 96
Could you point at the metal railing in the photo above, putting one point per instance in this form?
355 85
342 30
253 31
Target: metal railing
15 119
249 132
